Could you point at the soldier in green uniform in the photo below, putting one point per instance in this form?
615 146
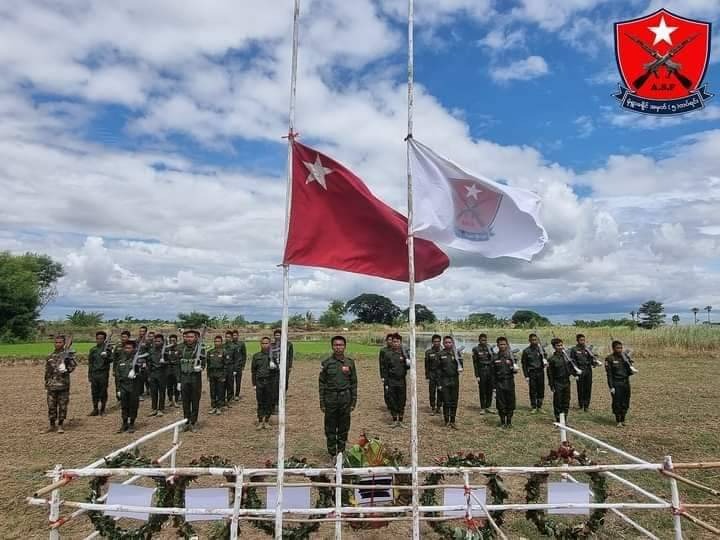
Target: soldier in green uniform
586 361
618 368
397 364
262 383
172 357
338 395
275 354
125 386
230 349
533 363
559 370
240 360
58 367
99 360
158 369
381 363
503 381
144 343
448 374
189 375
482 365
118 349
431 375
218 362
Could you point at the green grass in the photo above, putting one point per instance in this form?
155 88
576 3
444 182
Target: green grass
302 348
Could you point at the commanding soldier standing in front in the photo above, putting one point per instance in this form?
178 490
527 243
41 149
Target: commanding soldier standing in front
217 365
503 381
240 359
559 370
125 387
619 371
397 365
99 361
483 364
586 361
157 375
262 381
338 395
172 357
58 367
533 365
431 375
189 375
448 376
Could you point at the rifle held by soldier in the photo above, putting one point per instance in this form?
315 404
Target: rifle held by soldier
625 356
568 359
198 349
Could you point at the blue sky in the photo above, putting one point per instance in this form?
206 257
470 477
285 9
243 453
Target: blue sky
141 147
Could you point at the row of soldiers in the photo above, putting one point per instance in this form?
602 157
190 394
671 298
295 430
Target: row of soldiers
165 368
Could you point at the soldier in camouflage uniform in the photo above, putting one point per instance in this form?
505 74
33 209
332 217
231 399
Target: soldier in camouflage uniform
158 369
99 360
618 370
559 370
586 361
483 364
126 388
397 364
448 374
230 349
189 376
533 363
338 395
240 360
262 383
431 375
218 362
172 357
58 367
503 380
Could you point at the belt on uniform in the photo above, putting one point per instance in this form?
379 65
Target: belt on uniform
337 391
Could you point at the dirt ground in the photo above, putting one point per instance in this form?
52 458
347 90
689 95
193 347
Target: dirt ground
675 410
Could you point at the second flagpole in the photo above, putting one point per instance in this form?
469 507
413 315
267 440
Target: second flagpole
411 291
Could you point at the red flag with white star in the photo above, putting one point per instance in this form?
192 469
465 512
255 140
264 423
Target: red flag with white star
336 222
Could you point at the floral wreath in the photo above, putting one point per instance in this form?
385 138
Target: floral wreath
180 484
475 529
565 455
106 525
301 531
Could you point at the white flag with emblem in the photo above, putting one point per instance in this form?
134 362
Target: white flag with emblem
467 212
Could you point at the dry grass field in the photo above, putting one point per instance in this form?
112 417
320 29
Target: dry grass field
675 410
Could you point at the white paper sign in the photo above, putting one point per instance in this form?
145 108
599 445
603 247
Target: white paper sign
565 492
207 498
374 496
456 496
293 497
129 495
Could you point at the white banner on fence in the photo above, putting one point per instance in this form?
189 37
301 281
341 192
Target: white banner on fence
565 492
293 497
128 495
208 499
374 497
456 496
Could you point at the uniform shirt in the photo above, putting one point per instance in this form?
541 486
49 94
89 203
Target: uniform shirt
240 354
230 349
260 368
532 359
338 375
172 355
97 363
503 370
381 361
54 379
117 351
583 357
218 361
185 369
559 370
482 359
122 366
144 347
447 368
155 357
617 369
395 367
275 354
431 363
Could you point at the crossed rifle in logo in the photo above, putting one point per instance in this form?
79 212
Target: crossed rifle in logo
673 68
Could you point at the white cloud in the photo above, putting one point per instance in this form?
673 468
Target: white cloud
501 39
531 67
585 126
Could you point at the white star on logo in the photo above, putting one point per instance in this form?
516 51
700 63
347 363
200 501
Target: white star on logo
472 191
317 172
662 32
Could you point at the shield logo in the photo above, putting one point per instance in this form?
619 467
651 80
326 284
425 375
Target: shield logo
662 59
476 207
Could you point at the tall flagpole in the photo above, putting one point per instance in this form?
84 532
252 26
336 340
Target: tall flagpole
286 288
411 291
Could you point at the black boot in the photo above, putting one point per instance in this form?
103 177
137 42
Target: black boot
131 426
102 408
123 427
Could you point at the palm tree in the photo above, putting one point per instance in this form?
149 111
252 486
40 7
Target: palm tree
708 309
695 312
676 319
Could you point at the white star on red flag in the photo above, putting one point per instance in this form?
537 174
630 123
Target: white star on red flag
317 172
